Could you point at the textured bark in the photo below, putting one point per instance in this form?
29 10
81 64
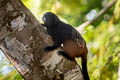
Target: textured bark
23 39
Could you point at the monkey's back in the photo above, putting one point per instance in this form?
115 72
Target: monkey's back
66 32
73 43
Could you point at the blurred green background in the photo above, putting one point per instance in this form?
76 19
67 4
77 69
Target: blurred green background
102 36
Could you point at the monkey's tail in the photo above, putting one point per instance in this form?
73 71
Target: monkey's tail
84 68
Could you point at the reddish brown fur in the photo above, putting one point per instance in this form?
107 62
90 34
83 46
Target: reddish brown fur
73 49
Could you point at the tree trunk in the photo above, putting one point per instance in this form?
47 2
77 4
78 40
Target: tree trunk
23 39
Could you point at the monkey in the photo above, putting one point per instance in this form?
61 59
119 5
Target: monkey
73 43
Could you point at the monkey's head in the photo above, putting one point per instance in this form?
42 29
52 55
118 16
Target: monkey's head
50 19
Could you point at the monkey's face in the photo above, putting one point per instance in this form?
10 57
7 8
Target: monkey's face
50 19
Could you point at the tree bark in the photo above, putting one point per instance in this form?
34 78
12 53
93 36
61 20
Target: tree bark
23 39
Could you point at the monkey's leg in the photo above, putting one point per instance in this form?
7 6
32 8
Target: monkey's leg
64 54
50 48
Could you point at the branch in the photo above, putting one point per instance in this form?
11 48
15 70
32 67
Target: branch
82 26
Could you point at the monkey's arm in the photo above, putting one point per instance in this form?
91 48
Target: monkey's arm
50 48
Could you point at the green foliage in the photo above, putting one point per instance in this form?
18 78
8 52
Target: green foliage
7 71
73 11
104 46
13 75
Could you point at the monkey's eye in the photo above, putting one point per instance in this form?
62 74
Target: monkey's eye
44 19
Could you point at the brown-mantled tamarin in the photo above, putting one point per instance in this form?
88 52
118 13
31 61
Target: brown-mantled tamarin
73 43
